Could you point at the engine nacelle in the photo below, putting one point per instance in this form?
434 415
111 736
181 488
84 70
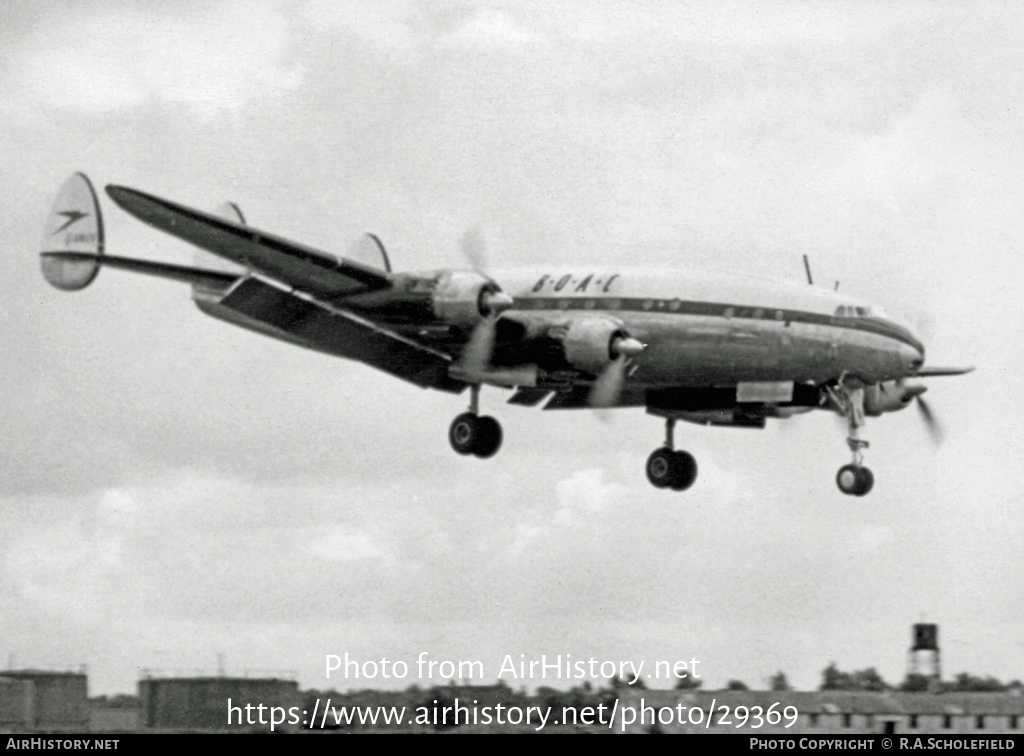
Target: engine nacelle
590 344
889 396
463 297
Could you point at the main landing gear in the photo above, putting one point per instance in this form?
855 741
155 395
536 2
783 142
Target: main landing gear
671 469
853 479
471 434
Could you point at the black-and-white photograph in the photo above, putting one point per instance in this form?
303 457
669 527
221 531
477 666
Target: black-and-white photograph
504 367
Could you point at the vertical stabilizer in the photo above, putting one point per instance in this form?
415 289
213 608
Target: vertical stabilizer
369 250
232 213
74 225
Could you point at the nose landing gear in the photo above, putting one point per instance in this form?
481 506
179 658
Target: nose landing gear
671 469
853 479
471 434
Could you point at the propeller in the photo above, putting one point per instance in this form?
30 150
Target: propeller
476 356
608 386
474 248
935 429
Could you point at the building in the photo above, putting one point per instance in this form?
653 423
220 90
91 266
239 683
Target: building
219 703
825 712
39 701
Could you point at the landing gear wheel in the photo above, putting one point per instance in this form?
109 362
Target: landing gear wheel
854 480
463 433
684 471
661 467
867 481
488 437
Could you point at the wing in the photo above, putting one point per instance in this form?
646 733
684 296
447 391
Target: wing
305 320
282 289
319 273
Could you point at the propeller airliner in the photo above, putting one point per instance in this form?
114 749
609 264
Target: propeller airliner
712 349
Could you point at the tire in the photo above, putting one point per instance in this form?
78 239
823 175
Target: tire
867 482
661 466
488 437
463 433
854 481
684 471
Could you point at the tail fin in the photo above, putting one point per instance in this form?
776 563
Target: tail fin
74 225
231 212
369 250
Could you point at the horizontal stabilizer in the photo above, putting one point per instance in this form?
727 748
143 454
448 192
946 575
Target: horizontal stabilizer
937 371
73 225
210 278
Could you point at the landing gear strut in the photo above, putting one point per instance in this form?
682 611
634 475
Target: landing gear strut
671 469
853 479
471 434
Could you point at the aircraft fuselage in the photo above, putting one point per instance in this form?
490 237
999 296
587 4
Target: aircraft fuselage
711 329
699 329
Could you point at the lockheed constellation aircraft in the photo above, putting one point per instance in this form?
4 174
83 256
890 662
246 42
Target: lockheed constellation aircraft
723 350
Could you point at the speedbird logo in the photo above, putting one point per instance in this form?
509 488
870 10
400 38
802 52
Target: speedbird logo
72 216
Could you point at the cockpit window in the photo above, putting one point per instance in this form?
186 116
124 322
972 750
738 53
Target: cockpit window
851 311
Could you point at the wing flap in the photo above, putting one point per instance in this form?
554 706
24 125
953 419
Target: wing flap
331 329
529 397
320 273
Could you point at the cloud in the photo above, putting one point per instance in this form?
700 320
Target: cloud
343 543
586 492
491 28
220 60
872 538
584 500
415 33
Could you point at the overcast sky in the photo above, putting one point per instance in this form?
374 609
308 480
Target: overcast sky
172 488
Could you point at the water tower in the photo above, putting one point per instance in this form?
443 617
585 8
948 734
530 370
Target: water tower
924 652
